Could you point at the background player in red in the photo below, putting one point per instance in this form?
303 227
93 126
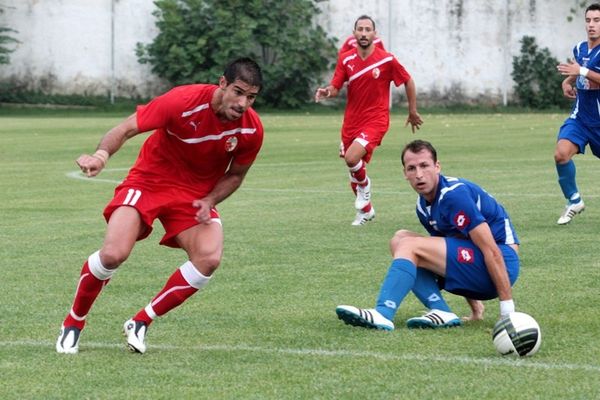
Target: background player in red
351 43
369 72
205 139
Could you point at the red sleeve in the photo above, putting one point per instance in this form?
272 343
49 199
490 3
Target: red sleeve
339 75
346 46
156 113
379 43
399 74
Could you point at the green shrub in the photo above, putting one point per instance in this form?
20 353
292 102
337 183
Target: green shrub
537 84
198 37
6 39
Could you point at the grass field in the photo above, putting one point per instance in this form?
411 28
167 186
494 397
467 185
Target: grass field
265 328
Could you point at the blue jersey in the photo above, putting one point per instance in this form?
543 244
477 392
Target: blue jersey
587 105
459 207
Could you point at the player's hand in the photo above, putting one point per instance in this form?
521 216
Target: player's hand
415 121
203 213
322 93
570 68
90 165
570 92
477 309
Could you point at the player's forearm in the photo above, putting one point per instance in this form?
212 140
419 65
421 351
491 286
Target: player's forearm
497 270
411 96
494 260
569 80
114 139
331 91
226 186
593 76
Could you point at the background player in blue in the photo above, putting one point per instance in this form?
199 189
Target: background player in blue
583 125
472 250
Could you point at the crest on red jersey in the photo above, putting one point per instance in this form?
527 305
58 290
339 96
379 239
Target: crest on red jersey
466 255
376 73
231 144
461 220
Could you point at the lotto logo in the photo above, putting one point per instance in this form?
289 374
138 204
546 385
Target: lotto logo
461 220
466 255
391 304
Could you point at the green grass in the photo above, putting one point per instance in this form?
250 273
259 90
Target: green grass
265 328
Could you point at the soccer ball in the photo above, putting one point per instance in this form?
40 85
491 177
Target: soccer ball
517 334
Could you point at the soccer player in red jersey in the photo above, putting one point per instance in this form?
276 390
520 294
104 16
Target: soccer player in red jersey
205 139
369 71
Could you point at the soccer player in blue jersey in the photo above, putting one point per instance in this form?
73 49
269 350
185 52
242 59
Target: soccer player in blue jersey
471 251
582 83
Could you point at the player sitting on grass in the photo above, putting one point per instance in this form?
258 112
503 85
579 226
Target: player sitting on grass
472 250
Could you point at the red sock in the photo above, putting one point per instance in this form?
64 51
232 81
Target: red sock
174 293
359 173
87 291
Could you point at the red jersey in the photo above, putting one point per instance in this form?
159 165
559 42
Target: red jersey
368 87
190 146
350 44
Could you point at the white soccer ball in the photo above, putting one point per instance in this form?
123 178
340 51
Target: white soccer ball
517 334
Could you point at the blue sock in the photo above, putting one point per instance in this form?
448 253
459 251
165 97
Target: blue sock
398 282
566 180
426 289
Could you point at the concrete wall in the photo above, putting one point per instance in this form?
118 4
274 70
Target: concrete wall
456 50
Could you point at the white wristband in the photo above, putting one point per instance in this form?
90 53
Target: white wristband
583 71
506 307
101 155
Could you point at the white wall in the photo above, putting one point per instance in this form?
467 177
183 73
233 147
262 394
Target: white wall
456 50
66 45
460 50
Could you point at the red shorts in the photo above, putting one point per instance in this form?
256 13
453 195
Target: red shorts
172 206
369 138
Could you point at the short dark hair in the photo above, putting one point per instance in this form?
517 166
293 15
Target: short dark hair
417 146
593 7
246 70
364 17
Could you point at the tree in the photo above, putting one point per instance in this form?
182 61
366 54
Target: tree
537 84
6 39
198 37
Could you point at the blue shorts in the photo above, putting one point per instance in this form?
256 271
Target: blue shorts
466 273
581 135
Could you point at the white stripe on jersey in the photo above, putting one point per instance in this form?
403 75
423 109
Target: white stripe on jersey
369 68
195 110
420 209
447 189
575 110
351 57
243 131
510 237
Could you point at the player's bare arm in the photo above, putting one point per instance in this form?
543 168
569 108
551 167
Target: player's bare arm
482 236
414 119
568 88
326 92
228 184
573 69
110 143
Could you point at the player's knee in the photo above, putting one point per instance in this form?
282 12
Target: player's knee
112 256
207 265
402 239
561 157
351 160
